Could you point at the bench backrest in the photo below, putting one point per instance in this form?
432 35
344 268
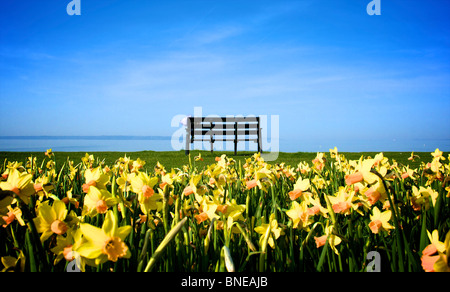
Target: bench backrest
223 129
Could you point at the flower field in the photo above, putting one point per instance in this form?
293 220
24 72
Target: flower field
328 214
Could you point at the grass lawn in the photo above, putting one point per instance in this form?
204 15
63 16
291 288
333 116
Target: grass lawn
176 159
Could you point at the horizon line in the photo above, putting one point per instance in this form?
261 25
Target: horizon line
93 137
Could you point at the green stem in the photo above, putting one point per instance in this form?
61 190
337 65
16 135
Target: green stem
167 239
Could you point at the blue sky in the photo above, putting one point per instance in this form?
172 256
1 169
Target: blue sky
127 67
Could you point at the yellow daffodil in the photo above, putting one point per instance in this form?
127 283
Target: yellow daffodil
435 257
124 181
106 243
434 239
375 192
407 172
437 154
317 207
380 221
96 178
319 182
14 264
195 187
160 169
142 184
341 202
334 152
5 203
319 161
421 197
263 179
11 167
300 215
49 153
66 245
98 201
299 187
43 185
13 214
303 168
19 183
363 173
333 239
51 219
88 160
137 165
207 211
198 157
413 157
232 209
271 230
443 263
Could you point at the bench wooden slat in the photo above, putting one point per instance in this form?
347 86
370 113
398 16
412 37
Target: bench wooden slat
225 132
226 139
223 119
221 129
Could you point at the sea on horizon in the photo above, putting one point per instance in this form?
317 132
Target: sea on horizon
164 143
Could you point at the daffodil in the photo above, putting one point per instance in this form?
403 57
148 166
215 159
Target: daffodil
66 245
271 230
299 187
195 187
88 160
124 181
263 178
334 152
380 221
435 255
4 208
207 211
437 154
19 183
160 169
421 197
319 161
43 185
106 243
98 201
375 192
443 263
96 178
333 239
434 239
49 153
341 202
303 168
51 219
413 156
300 215
317 207
363 173
137 165
11 167
13 264
142 184
198 157
13 214
407 172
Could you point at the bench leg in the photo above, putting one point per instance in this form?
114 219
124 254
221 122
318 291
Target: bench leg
259 141
188 142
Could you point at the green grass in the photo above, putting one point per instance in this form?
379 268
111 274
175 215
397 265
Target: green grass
176 159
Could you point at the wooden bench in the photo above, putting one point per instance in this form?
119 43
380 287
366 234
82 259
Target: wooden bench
223 129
